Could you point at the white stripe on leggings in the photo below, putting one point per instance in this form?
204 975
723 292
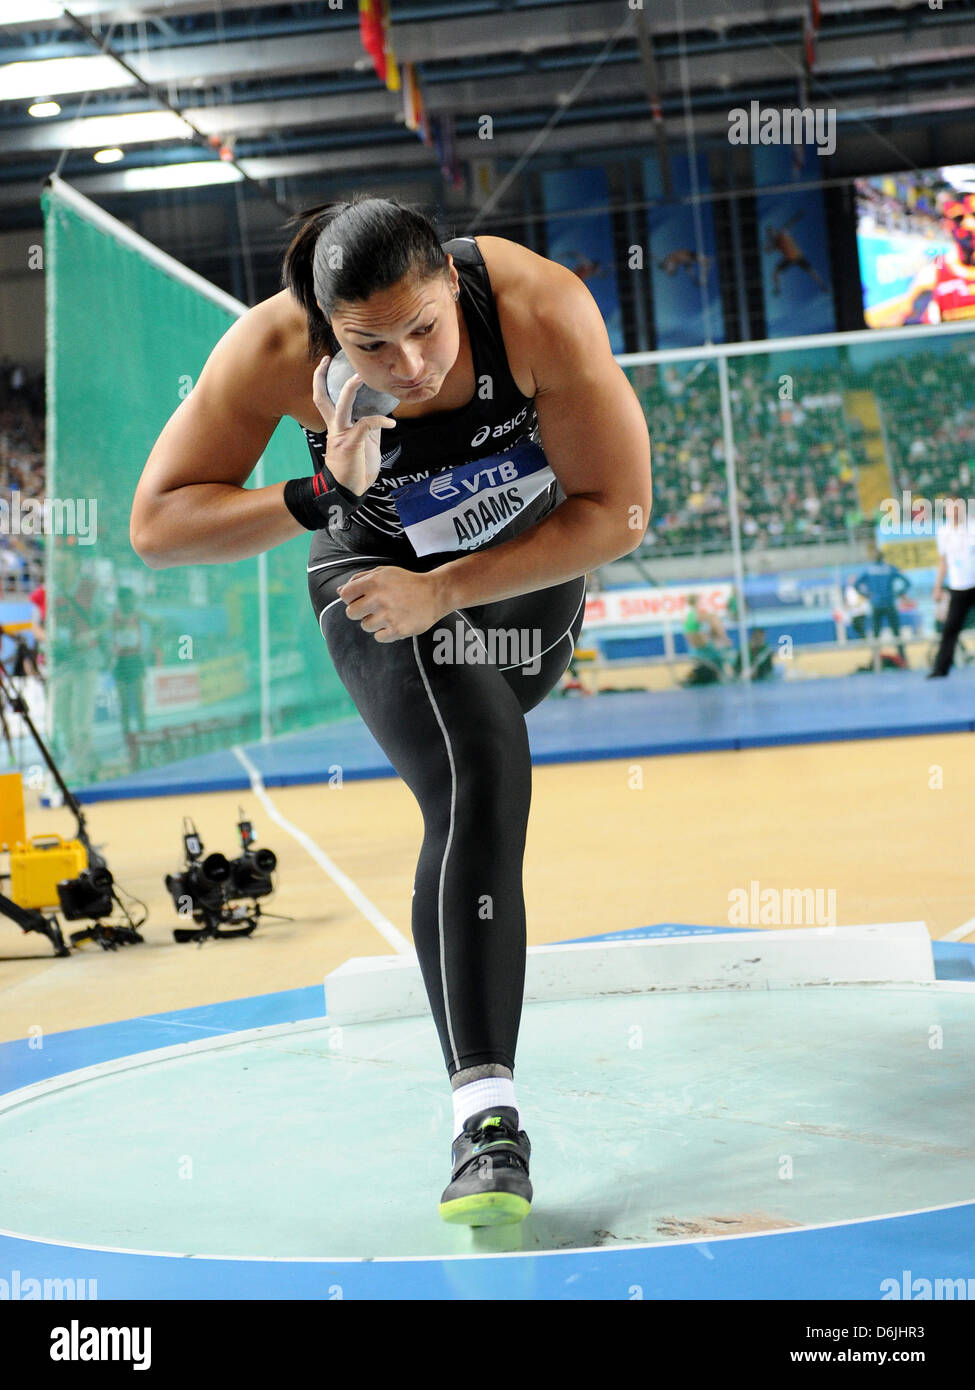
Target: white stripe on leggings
443 862
529 660
324 611
326 564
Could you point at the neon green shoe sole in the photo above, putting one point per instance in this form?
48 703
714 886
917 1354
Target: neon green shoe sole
489 1185
486 1209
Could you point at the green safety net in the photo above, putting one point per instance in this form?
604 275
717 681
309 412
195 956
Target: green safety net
146 667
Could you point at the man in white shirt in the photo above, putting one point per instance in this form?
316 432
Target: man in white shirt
956 546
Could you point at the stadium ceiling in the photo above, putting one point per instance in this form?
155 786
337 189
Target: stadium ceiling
290 91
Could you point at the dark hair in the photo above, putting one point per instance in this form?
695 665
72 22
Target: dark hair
345 251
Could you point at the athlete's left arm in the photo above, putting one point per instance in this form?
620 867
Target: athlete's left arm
595 437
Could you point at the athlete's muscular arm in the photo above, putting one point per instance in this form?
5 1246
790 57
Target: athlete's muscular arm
595 437
191 506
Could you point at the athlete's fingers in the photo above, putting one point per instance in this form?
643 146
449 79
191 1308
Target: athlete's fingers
350 590
320 396
356 595
344 404
364 605
345 419
376 422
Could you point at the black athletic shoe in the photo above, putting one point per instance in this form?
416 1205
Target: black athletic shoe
489 1185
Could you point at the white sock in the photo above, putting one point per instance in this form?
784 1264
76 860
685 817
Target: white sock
481 1095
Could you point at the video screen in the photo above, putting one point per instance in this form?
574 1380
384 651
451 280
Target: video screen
916 241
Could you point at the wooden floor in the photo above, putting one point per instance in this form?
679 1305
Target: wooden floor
885 823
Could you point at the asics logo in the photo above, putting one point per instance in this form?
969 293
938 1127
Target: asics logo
486 432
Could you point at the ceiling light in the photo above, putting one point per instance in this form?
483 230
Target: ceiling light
30 11
159 176
58 76
44 108
133 128
107 156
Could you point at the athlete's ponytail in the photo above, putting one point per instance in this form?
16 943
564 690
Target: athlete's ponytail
343 252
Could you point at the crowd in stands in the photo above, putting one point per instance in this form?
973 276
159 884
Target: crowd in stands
21 472
795 464
931 434
797 447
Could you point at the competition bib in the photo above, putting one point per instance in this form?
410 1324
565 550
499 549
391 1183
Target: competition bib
464 507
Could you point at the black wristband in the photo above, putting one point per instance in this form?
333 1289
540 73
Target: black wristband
320 503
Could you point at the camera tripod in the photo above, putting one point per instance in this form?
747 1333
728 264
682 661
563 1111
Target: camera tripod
31 919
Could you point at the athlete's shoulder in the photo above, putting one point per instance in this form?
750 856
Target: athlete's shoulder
278 322
275 333
515 268
268 330
535 296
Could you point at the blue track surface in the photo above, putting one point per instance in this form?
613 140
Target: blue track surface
886 704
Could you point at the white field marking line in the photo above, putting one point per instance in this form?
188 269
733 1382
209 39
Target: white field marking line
959 933
598 1250
372 914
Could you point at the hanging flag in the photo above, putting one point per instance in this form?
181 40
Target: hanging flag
424 126
375 31
392 78
409 116
421 120
412 97
371 33
444 133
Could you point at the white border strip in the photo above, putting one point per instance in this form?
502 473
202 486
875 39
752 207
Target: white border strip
105 222
372 914
370 988
857 338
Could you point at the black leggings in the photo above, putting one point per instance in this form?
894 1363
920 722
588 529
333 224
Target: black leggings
958 606
448 710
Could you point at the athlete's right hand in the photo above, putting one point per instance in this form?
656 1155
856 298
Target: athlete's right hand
352 451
